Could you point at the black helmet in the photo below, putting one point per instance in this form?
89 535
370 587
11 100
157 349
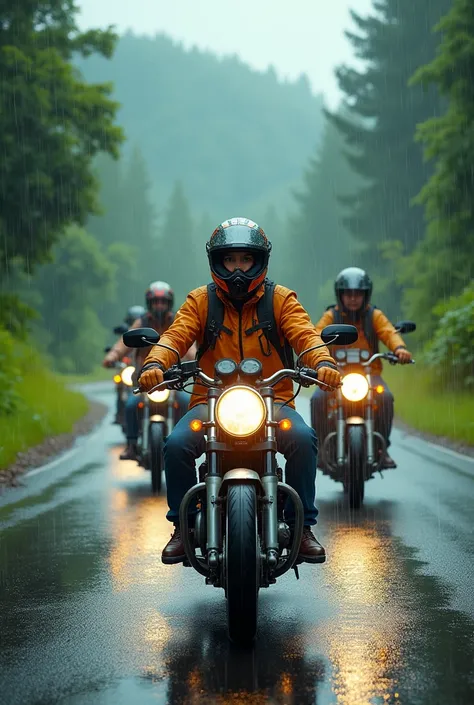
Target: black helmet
133 313
353 278
159 290
238 234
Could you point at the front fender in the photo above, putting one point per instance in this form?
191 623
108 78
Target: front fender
240 475
157 418
355 421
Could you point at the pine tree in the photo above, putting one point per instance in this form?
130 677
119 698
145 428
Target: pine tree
384 113
180 260
140 219
320 242
108 225
443 264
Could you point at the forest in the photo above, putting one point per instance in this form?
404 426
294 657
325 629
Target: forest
120 154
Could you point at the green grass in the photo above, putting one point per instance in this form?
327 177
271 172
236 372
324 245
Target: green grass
100 374
423 404
48 408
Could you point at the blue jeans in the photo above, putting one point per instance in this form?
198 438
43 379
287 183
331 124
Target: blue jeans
132 425
383 416
299 446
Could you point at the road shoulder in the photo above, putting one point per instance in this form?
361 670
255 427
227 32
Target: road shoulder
52 447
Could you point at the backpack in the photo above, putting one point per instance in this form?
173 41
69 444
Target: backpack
265 322
367 324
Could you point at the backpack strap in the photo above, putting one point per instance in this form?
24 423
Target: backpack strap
267 324
214 322
336 314
367 324
369 330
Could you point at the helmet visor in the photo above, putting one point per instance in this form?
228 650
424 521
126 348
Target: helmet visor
238 236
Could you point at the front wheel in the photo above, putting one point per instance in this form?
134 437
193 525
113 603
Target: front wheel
354 483
155 444
242 568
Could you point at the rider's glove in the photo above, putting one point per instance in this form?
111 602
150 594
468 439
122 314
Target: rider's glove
110 359
404 355
150 376
329 375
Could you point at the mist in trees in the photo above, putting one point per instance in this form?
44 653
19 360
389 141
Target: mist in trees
383 182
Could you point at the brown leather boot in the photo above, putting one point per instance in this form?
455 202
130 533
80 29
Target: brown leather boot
311 550
173 552
388 462
130 452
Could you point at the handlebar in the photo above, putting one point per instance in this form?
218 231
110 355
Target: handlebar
298 375
391 357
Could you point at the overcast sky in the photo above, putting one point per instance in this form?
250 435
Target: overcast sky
296 36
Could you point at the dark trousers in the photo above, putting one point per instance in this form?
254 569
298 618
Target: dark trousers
299 446
383 416
132 426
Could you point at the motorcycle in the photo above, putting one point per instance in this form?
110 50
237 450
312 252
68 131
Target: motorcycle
354 452
123 383
156 414
241 540
156 418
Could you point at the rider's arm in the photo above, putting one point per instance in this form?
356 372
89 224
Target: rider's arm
326 319
119 350
191 354
386 331
298 329
182 333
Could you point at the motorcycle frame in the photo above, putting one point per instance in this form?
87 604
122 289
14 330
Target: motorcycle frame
342 421
273 564
147 418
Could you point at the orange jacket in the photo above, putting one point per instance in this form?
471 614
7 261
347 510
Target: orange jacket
189 325
384 330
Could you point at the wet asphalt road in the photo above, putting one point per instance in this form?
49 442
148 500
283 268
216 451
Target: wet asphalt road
89 615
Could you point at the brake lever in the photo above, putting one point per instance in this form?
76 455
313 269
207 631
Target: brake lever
159 386
315 380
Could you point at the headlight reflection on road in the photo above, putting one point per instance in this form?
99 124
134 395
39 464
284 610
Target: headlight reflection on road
139 532
365 641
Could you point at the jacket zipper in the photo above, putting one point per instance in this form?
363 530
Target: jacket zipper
241 346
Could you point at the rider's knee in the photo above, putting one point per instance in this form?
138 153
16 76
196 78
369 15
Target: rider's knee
132 401
304 436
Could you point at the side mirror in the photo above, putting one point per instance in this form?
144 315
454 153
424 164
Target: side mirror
120 330
140 338
339 334
405 327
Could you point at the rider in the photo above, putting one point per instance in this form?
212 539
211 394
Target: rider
353 288
133 312
159 298
238 253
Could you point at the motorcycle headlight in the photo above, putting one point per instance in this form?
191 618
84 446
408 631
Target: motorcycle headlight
159 396
240 411
127 374
354 387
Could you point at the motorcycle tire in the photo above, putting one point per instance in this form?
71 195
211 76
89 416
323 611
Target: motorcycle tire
242 563
354 484
156 441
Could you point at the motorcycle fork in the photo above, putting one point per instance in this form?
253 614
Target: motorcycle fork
369 423
145 425
340 431
270 486
170 417
213 483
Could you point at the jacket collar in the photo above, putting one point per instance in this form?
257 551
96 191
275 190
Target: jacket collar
227 302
